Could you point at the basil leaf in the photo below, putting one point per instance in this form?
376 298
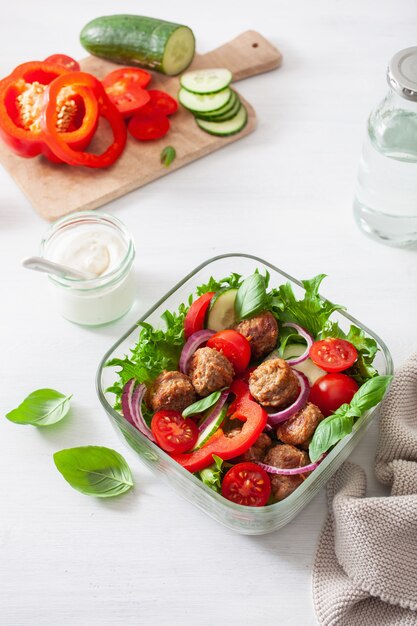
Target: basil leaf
94 470
369 395
202 405
168 154
251 296
42 407
330 431
211 476
340 424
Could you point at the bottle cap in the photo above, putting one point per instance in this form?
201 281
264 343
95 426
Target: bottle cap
402 73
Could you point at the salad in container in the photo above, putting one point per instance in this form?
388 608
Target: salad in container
246 393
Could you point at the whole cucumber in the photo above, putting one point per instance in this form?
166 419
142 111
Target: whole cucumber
145 41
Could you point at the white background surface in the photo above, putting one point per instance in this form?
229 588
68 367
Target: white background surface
284 193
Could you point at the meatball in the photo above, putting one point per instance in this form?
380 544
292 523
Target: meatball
209 371
171 390
273 383
262 333
257 451
286 457
299 429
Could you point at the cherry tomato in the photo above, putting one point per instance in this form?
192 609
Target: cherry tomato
333 354
173 432
125 88
234 346
65 61
247 484
162 102
194 320
145 127
331 391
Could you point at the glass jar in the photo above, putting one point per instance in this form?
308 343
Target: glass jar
385 205
101 299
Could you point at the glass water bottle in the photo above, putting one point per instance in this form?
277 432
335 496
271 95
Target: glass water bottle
385 204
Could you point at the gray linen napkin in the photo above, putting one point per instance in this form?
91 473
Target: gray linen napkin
365 569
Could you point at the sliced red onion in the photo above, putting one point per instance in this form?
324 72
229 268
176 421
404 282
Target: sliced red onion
127 396
132 407
138 419
293 470
309 339
191 345
282 416
215 412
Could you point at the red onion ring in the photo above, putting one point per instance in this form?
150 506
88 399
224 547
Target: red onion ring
291 471
305 335
215 412
132 407
127 396
191 345
282 416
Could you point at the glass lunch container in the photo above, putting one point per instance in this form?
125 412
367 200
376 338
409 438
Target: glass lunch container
242 519
385 205
100 244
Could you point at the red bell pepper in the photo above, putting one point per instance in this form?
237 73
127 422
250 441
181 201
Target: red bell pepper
106 109
243 408
21 104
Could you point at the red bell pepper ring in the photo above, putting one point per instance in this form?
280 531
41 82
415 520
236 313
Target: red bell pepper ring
24 142
254 419
106 109
29 142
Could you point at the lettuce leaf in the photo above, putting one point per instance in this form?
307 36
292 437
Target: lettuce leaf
156 350
212 476
229 282
312 312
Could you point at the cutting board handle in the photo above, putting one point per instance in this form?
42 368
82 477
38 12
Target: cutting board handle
246 55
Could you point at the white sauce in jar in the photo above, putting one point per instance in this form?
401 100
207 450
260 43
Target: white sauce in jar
92 248
100 245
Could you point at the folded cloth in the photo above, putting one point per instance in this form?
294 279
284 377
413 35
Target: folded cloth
365 569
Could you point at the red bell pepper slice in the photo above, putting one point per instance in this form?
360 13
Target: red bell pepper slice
25 142
106 109
21 104
245 409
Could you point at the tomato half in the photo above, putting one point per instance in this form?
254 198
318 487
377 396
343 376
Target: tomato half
65 61
162 102
247 484
146 127
235 347
173 433
331 391
194 320
333 354
125 88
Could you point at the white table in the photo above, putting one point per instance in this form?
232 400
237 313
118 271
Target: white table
285 194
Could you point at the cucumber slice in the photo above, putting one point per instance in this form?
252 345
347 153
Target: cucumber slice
225 116
307 367
229 127
205 434
206 81
136 40
222 314
202 104
230 104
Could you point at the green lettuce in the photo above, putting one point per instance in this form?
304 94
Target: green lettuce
212 476
312 312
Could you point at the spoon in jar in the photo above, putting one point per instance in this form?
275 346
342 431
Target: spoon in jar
40 264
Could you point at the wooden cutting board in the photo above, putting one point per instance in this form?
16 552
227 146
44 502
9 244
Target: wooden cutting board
55 190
